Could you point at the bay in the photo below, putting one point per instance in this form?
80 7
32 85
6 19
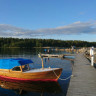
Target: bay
37 88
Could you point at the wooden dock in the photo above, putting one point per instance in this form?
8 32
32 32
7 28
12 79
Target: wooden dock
55 55
83 82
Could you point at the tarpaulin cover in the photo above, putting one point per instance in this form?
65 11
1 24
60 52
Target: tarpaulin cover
11 63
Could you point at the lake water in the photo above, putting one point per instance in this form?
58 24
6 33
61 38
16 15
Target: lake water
37 88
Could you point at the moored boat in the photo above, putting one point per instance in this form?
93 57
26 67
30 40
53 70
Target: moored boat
19 70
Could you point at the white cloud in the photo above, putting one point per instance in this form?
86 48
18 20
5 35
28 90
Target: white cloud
74 28
71 29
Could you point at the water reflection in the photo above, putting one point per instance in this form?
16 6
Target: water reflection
23 88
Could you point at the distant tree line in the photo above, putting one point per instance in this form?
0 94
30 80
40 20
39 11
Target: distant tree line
30 43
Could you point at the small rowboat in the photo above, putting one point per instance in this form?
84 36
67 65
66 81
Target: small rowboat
19 70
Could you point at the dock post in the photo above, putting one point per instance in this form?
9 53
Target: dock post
92 55
92 61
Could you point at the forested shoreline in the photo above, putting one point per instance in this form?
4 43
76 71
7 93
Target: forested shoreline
30 43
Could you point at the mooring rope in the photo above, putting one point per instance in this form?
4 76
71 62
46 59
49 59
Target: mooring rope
61 78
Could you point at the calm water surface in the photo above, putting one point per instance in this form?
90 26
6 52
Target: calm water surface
36 88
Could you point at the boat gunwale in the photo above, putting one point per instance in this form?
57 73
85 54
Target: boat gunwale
42 70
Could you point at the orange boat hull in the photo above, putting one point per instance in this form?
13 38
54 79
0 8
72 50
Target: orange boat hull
36 76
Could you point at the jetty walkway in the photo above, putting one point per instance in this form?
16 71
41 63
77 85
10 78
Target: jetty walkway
83 82
54 55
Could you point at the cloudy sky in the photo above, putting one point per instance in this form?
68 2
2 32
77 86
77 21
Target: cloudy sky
48 19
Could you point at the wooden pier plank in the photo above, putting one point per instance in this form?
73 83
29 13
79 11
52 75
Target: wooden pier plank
52 55
83 82
55 55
